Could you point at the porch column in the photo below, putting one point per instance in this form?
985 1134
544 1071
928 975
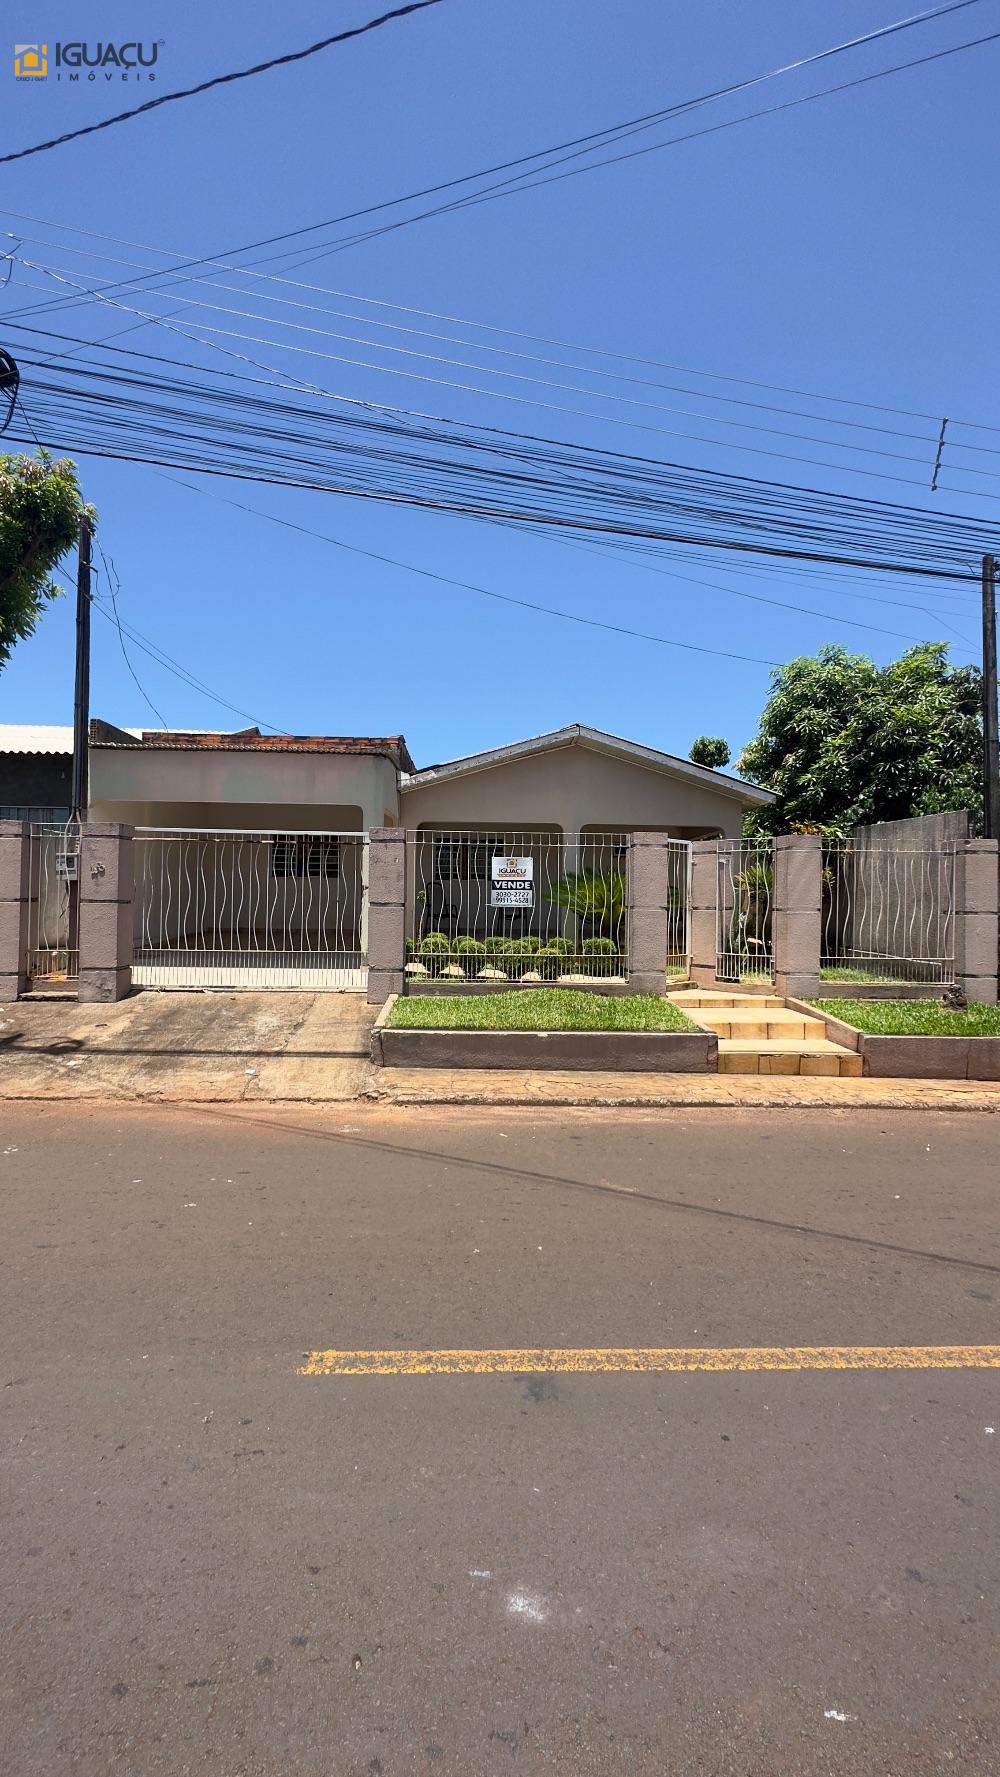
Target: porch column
386 912
796 906
107 880
704 892
647 913
14 843
976 885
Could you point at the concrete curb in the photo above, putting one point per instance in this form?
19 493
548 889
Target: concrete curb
583 1051
913 1057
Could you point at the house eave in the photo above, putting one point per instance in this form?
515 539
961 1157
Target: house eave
751 795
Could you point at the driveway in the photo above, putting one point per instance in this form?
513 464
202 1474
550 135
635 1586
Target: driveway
196 1047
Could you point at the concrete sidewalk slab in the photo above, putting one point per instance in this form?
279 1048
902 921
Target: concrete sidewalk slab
474 1086
192 1047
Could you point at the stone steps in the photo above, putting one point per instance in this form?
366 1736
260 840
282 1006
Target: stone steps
759 1034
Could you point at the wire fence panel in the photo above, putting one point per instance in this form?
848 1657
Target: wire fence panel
744 897
534 906
251 910
53 958
888 914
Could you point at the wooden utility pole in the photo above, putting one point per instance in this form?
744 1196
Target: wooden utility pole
991 743
81 696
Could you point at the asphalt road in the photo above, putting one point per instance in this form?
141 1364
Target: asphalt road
210 1563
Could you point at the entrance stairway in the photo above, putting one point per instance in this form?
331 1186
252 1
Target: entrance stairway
759 1034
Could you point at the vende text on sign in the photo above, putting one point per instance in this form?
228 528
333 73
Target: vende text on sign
512 882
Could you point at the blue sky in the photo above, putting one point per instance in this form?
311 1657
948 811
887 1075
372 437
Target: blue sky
846 247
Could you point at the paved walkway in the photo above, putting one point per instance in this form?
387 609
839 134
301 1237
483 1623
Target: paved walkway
222 1048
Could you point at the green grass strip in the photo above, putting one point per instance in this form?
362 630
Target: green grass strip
914 1018
552 1008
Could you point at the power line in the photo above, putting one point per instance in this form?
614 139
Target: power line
487 327
534 401
579 144
521 376
114 587
508 188
224 425
205 86
469 586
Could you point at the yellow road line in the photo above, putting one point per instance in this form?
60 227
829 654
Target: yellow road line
651 1359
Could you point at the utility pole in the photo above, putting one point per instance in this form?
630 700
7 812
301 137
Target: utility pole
81 697
991 743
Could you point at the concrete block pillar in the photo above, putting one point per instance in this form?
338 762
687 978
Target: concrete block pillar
796 913
14 843
386 912
976 900
106 887
648 886
704 894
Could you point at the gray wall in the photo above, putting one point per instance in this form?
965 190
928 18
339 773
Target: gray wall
925 832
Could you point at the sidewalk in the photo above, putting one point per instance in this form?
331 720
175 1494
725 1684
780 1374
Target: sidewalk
274 1048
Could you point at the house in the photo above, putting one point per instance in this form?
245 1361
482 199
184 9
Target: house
251 859
568 781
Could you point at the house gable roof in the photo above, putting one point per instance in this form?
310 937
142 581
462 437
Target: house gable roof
577 734
250 740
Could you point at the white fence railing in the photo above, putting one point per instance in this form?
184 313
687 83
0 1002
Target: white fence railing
509 904
249 909
53 958
744 898
888 914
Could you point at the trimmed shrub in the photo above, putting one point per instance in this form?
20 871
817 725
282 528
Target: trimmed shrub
551 959
503 945
465 946
599 947
530 944
435 945
557 947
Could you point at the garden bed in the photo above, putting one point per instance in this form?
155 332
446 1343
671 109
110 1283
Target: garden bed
542 1028
917 1039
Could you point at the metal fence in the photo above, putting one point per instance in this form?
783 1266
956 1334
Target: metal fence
495 905
53 958
744 897
678 907
249 909
888 914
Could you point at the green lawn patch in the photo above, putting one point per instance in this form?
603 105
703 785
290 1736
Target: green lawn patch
914 1018
542 1008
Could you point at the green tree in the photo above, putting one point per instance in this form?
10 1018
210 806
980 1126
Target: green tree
843 742
40 508
710 749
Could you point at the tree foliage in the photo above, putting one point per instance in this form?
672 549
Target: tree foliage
40 507
711 750
844 742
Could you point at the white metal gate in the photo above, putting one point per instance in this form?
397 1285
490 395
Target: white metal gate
745 888
250 910
53 954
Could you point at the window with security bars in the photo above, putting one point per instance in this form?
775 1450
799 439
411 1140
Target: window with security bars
302 855
460 857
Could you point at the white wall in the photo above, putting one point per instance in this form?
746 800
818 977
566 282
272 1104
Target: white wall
267 791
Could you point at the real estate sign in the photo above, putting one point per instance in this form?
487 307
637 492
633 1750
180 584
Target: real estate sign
512 882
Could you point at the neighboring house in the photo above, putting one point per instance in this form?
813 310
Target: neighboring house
571 780
35 772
